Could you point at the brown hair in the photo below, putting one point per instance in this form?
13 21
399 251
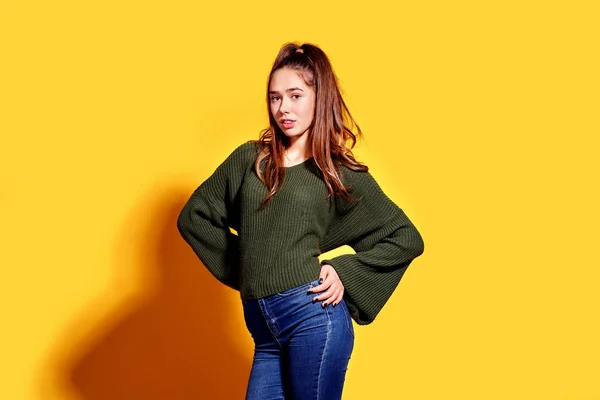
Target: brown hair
330 131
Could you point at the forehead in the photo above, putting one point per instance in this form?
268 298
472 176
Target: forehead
285 78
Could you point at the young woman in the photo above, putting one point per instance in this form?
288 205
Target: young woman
291 195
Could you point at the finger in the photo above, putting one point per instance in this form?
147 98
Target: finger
324 295
331 297
328 284
339 295
338 299
320 288
323 285
323 274
321 296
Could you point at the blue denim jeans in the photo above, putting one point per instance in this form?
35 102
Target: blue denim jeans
301 349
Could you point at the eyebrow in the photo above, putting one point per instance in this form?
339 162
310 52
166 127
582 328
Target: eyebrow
288 90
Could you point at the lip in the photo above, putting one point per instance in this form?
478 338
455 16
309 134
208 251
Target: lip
287 123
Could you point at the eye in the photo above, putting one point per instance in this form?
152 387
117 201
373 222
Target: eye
295 96
274 98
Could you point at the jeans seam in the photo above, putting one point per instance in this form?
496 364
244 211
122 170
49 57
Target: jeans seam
324 351
348 320
267 320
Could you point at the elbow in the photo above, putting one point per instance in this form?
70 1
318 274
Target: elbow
416 244
420 247
183 222
408 235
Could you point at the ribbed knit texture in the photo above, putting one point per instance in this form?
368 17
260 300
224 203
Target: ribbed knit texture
277 248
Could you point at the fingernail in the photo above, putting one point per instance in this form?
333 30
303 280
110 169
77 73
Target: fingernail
324 305
315 299
333 305
321 280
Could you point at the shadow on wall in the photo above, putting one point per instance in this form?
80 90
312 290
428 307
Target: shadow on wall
176 344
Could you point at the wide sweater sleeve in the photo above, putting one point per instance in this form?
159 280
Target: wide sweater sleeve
385 242
212 208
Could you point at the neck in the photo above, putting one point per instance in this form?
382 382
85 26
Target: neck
299 148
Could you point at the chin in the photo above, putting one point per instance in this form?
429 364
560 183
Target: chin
293 132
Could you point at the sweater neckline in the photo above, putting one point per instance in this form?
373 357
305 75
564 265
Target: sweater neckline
299 164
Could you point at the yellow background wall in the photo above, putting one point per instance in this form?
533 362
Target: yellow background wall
480 120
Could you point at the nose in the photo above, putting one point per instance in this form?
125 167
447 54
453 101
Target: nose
284 105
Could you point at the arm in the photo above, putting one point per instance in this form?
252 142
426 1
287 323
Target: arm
205 219
384 239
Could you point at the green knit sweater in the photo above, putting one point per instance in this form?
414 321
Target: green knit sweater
277 248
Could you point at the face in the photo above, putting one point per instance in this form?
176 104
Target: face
292 102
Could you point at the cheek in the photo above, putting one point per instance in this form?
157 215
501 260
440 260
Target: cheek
310 113
311 108
308 110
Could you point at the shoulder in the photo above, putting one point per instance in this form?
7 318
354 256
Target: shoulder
364 189
358 181
246 152
247 147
